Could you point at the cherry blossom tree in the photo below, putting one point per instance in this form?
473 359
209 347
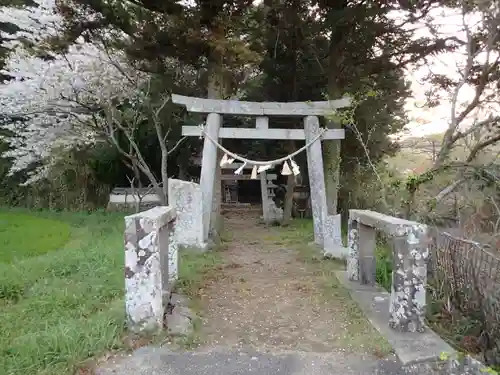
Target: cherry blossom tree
53 102
23 21
39 104
89 93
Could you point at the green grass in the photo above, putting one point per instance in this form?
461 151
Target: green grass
61 290
195 269
383 254
61 297
24 236
298 231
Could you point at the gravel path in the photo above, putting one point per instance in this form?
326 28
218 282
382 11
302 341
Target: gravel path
274 309
268 297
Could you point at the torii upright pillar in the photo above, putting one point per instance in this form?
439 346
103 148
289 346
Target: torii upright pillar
209 170
316 178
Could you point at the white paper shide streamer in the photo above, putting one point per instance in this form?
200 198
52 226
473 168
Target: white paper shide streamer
254 173
224 160
295 168
286 169
262 166
240 169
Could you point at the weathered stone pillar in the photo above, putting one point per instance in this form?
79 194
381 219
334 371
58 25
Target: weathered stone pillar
215 217
367 261
332 235
409 278
209 170
186 198
353 245
316 177
173 257
149 252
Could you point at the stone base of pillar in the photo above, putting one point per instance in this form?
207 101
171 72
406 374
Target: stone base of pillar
409 279
150 267
332 235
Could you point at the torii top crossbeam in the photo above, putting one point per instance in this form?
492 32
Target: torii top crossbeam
236 107
261 110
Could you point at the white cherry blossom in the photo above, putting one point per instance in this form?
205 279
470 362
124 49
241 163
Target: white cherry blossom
49 100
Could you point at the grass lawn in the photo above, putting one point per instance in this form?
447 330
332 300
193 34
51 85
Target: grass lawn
61 289
24 236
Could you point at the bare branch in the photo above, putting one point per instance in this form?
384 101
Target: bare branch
161 107
451 135
163 148
489 122
372 166
136 157
482 145
179 142
449 189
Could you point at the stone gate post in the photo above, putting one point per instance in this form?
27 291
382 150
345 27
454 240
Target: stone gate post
316 177
209 170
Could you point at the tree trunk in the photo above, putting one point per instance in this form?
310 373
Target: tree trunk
164 176
331 154
137 174
331 166
331 149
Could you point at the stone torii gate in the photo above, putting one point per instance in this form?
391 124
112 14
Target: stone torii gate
262 110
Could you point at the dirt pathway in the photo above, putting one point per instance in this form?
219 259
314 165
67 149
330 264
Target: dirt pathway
270 297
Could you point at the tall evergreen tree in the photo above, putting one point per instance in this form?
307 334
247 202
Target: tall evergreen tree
367 43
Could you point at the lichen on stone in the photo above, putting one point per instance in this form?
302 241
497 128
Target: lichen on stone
146 274
353 244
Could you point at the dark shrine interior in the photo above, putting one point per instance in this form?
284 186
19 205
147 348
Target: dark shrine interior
249 191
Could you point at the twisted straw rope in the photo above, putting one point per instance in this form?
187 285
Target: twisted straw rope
263 163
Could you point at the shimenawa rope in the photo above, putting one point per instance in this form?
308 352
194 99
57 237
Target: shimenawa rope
263 163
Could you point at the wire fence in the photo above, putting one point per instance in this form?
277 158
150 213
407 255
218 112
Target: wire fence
467 277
